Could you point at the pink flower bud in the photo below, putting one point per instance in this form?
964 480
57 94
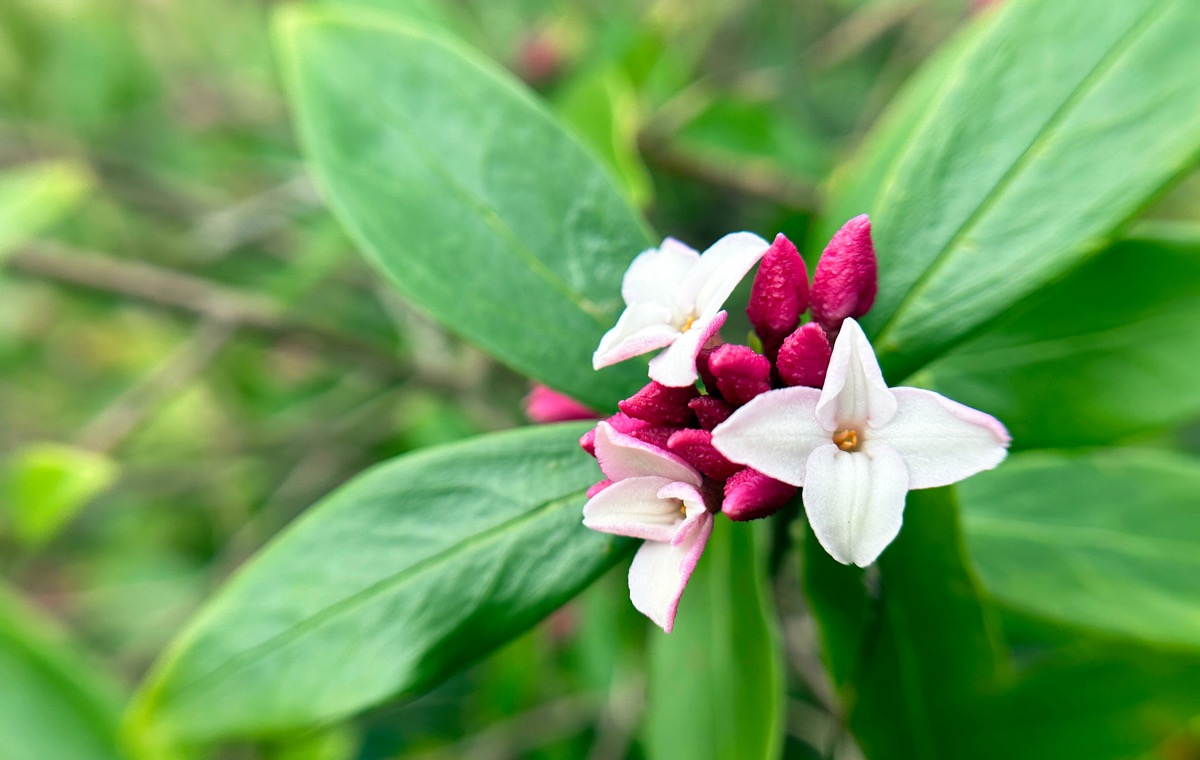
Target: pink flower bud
710 411
804 357
695 447
706 375
846 277
779 295
598 487
660 404
740 373
750 495
655 435
545 405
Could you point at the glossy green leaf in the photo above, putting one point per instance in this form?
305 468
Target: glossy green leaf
52 703
44 486
715 684
1050 128
910 654
35 196
390 584
460 186
1108 540
1109 352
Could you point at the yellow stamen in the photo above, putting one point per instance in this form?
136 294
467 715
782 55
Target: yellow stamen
688 324
846 440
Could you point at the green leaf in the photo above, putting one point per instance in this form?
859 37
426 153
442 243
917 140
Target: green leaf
1109 352
390 584
44 486
464 190
35 196
52 703
1108 540
1050 128
715 686
910 658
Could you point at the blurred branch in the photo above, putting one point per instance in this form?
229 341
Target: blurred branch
207 299
860 29
107 429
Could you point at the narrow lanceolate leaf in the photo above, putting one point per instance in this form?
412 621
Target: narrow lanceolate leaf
910 656
1047 130
462 188
396 580
52 703
715 686
34 196
1107 540
1111 351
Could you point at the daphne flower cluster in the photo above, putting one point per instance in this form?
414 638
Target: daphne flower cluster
724 429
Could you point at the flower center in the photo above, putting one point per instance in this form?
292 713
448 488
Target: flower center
846 439
687 324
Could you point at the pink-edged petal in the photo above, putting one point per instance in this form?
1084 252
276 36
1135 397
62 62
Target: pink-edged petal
657 275
543 404
854 394
623 456
660 572
720 269
642 328
774 433
804 357
695 447
710 411
750 495
694 505
942 441
632 507
846 277
661 404
740 373
779 295
676 366
855 500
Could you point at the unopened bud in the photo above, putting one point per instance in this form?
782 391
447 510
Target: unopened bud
749 495
695 447
846 277
779 295
804 357
740 373
660 404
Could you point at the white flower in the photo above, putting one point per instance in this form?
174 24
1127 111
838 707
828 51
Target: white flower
654 495
673 299
857 446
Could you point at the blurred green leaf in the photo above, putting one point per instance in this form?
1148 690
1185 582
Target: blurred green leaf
1109 540
716 686
1050 128
911 661
45 485
461 187
35 196
1111 351
52 702
398 579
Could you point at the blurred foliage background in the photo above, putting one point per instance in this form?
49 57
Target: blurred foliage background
191 352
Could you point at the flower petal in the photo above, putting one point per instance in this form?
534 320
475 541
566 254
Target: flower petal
942 441
676 366
693 502
632 507
854 394
720 269
855 500
774 433
660 571
622 456
658 275
641 329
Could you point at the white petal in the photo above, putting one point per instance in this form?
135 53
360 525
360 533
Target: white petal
690 495
642 328
658 275
855 500
774 433
676 366
623 456
720 270
855 394
660 571
633 507
942 441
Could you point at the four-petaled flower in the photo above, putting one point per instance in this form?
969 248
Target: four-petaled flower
673 298
857 446
656 496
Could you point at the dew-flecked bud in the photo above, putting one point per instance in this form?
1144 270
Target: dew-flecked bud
779 295
740 373
660 404
710 411
695 447
846 277
749 495
804 357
